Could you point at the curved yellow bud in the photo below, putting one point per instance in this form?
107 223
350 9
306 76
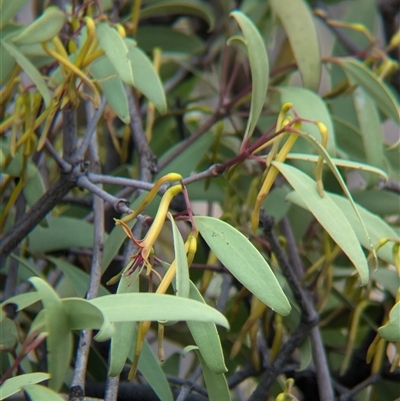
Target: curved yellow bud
90 35
121 30
320 163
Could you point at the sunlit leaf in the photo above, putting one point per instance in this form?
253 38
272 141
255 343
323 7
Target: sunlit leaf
244 261
296 18
30 70
189 7
14 384
373 85
149 306
40 393
259 67
116 51
145 77
42 29
182 269
59 340
391 330
329 215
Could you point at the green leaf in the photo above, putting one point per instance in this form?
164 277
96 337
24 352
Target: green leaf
78 279
9 10
151 370
299 26
125 333
310 106
373 85
275 205
189 7
34 186
149 306
112 87
31 71
391 330
61 233
59 340
182 268
168 40
243 260
116 51
329 215
14 384
9 335
23 300
388 279
44 28
7 63
217 387
146 79
370 126
259 67
40 393
206 337
82 314
380 202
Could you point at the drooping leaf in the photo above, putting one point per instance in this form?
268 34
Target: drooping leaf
391 330
125 332
243 260
112 87
42 29
373 85
370 127
206 337
151 370
217 387
310 106
31 71
145 77
14 384
259 67
59 340
182 269
116 51
329 215
149 306
189 7
40 393
297 20
9 10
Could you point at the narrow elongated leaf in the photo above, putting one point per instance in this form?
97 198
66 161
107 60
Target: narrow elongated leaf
7 64
329 215
149 306
44 28
81 314
23 300
145 77
30 70
217 387
124 335
182 268
244 261
391 330
189 7
259 67
370 126
151 370
298 22
116 51
206 336
112 87
14 384
59 340
310 105
373 85
9 10
40 393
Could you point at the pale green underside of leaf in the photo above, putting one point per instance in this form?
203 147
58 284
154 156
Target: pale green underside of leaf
31 71
14 384
149 306
244 261
298 23
259 67
329 215
391 330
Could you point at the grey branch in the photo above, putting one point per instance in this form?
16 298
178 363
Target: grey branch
126 182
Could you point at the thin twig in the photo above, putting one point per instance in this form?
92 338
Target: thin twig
126 182
119 204
69 131
188 386
241 375
64 166
361 386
